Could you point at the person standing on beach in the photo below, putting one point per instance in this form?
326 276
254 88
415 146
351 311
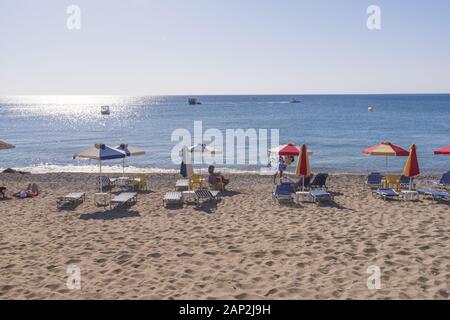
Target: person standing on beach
281 169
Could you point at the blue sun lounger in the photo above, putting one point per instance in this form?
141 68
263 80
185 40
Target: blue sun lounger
445 180
386 193
436 195
283 192
374 180
319 181
320 196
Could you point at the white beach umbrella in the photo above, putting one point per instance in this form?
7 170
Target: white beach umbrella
130 151
202 149
101 152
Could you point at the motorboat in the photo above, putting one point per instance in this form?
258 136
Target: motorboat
105 110
193 101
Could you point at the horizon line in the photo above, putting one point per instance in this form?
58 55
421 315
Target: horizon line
225 94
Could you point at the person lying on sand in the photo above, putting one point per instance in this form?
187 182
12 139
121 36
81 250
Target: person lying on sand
31 191
215 178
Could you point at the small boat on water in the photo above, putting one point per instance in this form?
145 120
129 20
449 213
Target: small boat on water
193 101
295 101
105 110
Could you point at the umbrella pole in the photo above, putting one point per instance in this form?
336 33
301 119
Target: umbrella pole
410 183
101 182
123 167
303 183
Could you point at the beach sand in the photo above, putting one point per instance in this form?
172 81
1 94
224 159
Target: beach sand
245 247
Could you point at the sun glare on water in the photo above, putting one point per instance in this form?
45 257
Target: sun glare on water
80 107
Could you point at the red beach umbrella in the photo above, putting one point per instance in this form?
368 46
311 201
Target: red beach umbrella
412 165
286 150
445 150
289 149
303 167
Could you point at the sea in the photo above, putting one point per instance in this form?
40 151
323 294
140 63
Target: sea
48 130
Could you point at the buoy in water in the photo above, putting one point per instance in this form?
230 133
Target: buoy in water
370 109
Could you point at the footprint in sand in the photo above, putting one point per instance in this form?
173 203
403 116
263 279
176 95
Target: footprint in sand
185 254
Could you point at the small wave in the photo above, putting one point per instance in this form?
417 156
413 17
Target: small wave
40 169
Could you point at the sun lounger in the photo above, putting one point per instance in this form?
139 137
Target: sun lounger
374 180
320 196
445 180
284 192
102 199
319 181
70 200
125 198
202 195
125 183
182 184
386 193
172 198
106 183
405 183
215 194
436 195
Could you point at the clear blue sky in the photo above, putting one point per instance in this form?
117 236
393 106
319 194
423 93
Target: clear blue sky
224 47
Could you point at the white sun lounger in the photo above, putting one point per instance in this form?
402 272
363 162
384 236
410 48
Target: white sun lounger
182 184
172 198
70 200
125 198
201 195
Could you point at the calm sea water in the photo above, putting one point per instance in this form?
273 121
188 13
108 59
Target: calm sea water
48 130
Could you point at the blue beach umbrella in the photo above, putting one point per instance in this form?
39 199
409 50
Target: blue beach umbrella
101 152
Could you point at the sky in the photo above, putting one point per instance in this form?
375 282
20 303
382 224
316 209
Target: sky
169 47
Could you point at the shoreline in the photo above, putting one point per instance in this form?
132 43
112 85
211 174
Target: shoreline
134 170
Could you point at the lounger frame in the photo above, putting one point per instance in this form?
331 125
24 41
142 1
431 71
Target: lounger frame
70 200
130 200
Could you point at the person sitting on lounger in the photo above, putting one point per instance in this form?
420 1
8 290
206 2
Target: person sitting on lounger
32 190
216 180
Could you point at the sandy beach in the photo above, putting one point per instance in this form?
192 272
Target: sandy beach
246 247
